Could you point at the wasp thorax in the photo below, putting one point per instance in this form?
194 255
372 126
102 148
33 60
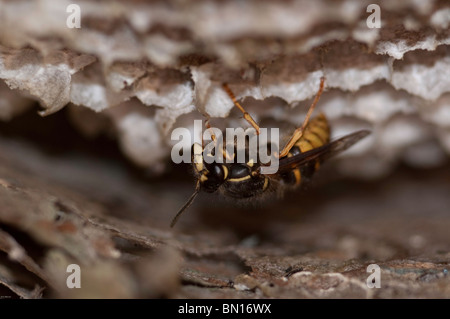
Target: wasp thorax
239 171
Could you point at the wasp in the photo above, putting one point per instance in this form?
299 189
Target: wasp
308 147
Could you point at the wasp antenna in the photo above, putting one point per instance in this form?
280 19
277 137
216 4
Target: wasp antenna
186 205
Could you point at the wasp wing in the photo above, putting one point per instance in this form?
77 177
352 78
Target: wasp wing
321 153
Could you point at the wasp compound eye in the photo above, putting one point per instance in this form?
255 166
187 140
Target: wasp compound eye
213 179
217 172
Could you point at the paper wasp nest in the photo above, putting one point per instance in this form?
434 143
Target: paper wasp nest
151 66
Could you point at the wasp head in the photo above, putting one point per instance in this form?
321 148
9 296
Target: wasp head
210 175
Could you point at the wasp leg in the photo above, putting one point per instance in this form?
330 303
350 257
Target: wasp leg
213 137
247 116
208 126
299 131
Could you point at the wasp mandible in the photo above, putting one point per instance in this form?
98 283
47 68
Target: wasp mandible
300 158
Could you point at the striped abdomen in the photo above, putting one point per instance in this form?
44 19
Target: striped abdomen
316 134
